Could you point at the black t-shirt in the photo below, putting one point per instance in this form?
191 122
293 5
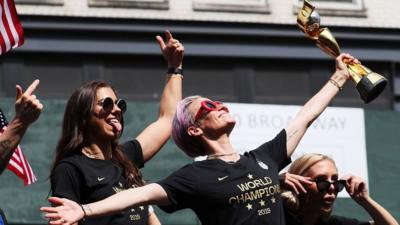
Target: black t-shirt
246 192
291 219
85 180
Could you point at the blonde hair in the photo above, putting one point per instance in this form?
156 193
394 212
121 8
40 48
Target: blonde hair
300 167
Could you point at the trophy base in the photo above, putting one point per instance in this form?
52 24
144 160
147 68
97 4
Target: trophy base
371 86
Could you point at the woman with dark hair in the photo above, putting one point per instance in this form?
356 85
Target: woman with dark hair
226 188
89 163
313 183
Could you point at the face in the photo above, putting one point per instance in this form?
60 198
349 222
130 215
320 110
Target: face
211 116
105 121
324 170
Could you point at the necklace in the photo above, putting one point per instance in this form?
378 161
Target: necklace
215 156
90 154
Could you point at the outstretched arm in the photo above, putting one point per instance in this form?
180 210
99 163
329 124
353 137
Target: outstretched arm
27 110
156 134
67 212
317 104
357 189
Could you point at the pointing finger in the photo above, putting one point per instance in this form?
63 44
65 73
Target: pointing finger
160 42
32 87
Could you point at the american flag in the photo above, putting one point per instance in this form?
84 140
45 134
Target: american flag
11 32
18 163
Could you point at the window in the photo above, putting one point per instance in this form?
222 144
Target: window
40 2
351 8
150 4
251 6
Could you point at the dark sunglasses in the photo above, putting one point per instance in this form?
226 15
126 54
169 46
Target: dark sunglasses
108 104
206 107
324 185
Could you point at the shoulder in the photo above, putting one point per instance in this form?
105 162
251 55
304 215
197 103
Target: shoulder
278 141
70 164
131 145
186 174
133 150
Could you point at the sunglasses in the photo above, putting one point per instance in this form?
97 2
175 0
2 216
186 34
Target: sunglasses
324 185
108 104
206 107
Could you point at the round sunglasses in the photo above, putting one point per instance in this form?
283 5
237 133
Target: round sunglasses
324 185
108 104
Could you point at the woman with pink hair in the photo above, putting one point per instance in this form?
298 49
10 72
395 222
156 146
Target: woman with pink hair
226 188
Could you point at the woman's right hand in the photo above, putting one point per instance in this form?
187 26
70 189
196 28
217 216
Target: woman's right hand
294 183
64 212
27 106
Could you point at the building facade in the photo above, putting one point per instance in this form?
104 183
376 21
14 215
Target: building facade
235 50
248 51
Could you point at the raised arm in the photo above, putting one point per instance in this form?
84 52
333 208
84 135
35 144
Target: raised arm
357 189
157 133
67 212
27 110
317 104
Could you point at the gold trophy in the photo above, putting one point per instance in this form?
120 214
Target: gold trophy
368 83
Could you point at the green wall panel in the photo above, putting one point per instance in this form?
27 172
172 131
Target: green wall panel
21 203
383 155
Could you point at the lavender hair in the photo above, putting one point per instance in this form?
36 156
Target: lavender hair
182 120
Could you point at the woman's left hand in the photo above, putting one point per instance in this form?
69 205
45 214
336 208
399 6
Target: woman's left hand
356 187
342 61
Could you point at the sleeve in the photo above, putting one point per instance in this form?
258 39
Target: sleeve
180 188
133 150
275 149
340 220
66 182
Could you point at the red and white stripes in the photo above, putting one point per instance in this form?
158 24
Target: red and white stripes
11 32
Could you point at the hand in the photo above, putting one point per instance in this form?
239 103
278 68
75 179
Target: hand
294 182
65 211
27 106
172 50
356 187
341 67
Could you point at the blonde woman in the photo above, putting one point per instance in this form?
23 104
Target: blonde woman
313 184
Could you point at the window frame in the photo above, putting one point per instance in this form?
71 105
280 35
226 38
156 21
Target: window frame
40 2
143 4
251 6
356 8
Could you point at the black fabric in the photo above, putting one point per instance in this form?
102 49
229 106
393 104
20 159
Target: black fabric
134 152
246 192
87 180
291 219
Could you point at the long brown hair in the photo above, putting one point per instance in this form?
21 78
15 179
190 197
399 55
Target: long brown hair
74 131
